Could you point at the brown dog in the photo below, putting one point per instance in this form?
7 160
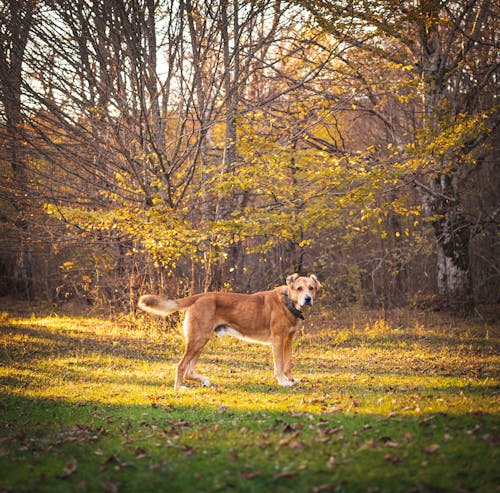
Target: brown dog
267 317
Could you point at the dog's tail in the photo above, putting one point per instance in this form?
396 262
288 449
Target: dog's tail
161 305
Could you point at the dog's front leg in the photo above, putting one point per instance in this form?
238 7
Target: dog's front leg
279 365
288 359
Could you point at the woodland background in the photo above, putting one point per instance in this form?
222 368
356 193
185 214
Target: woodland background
188 145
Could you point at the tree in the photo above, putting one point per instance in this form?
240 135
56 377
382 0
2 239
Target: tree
450 47
18 17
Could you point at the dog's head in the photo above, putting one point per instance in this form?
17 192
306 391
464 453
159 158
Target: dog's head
302 290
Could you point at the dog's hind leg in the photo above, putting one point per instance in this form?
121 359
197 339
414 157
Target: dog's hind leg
192 352
195 342
191 373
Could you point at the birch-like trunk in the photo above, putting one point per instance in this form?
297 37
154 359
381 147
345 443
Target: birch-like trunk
453 233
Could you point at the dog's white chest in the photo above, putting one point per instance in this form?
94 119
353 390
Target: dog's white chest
224 330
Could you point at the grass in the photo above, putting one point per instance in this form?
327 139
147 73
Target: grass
87 405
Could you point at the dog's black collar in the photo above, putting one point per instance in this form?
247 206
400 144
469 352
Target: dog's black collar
291 307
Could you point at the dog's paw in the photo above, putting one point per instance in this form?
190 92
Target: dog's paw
284 382
181 388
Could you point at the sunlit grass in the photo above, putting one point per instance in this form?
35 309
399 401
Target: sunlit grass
380 405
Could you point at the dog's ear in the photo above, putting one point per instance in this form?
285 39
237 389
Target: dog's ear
315 279
291 279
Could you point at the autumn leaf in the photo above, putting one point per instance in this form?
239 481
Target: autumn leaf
69 469
298 445
285 474
392 444
431 449
324 487
250 475
393 459
188 451
140 453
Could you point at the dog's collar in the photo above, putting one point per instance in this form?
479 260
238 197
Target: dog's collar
291 307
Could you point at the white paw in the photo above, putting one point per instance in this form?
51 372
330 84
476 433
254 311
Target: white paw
180 387
284 382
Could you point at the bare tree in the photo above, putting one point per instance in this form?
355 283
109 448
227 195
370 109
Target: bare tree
18 18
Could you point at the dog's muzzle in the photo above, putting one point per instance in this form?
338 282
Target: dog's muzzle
308 301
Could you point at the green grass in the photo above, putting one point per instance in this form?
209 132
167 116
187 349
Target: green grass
87 405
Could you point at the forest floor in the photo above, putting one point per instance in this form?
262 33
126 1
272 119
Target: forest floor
407 403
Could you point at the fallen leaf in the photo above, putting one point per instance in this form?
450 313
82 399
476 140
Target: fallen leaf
393 459
188 451
392 444
285 474
126 464
331 462
250 475
69 469
432 448
283 442
320 488
140 453
298 445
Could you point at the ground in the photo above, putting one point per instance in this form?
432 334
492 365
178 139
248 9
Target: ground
387 402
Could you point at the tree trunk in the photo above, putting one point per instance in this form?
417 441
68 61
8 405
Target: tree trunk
453 233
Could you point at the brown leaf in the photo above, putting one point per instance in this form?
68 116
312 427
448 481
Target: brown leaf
431 449
393 459
392 444
140 453
332 461
320 488
298 445
283 442
285 474
69 469
188 451
250 475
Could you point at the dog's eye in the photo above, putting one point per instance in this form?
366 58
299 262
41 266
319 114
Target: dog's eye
299 288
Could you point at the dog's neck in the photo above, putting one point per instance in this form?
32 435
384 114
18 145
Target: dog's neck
291 307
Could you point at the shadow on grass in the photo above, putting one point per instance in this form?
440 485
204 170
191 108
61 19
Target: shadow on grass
330 433
39 340
52 445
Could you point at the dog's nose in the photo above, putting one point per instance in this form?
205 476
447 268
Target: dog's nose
308 300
